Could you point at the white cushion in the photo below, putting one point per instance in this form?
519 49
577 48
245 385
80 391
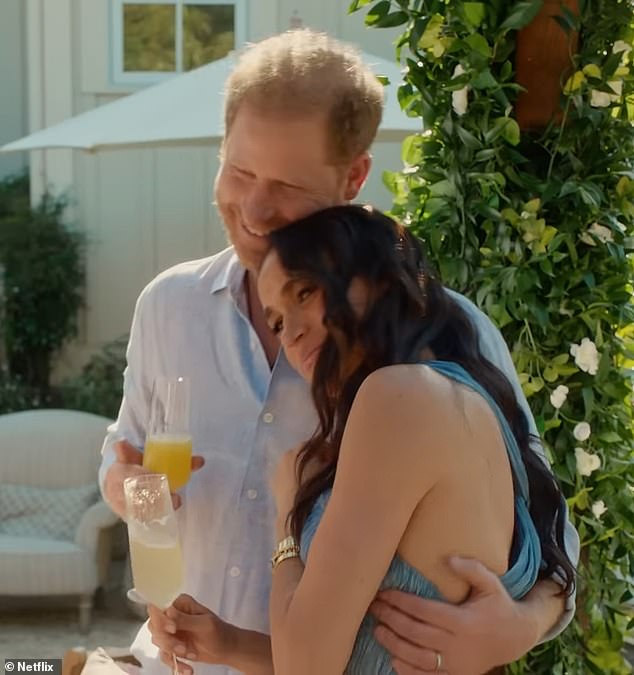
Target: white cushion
30 566
51 448
55 514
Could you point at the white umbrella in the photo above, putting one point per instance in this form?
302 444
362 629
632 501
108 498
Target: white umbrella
183 110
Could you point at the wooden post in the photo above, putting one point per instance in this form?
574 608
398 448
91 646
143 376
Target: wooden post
543 63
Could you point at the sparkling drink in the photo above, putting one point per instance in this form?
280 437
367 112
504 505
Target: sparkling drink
155 552
157 569
171 454
168 445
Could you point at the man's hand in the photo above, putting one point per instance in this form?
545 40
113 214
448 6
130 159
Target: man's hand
130 463
489 629
189 630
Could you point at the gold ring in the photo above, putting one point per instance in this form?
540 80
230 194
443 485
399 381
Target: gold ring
438 661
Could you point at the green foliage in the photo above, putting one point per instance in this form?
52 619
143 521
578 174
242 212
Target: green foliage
538 229
150 35
16 396
99 387
208 33
43 277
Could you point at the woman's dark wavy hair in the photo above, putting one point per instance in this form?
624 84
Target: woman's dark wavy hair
409 311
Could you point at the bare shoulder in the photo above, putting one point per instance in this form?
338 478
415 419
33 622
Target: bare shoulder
388 432
408 389
416 406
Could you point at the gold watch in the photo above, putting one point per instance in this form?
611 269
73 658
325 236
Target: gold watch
286 549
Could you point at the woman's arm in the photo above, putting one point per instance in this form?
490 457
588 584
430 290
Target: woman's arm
381 477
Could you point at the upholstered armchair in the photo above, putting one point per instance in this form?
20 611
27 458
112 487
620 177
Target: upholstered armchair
54 527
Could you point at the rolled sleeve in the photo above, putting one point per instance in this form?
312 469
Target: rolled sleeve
134 411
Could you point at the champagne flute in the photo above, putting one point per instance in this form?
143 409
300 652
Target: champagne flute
155 552
168 445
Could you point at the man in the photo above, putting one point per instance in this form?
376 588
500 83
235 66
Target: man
301 113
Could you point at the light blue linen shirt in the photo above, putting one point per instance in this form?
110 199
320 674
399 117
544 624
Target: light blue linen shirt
192 320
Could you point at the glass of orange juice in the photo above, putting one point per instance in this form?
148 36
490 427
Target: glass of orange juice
168 444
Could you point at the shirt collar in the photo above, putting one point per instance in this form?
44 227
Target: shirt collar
230 277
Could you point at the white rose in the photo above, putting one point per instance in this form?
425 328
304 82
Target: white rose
600 99
586 462
558 397
601 232
617 87
621 46
586 356
460 98
582 431
599 508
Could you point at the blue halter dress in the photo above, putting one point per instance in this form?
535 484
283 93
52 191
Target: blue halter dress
368 656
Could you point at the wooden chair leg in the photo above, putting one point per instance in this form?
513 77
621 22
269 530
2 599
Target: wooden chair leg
85 612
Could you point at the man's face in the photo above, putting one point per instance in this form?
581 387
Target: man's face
274 170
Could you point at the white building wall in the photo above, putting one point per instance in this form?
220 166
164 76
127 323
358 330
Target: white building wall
144 210
13 106
50 59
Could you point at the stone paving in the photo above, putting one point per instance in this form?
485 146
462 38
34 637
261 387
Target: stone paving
48 627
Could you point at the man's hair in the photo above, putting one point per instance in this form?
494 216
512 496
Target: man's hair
302 72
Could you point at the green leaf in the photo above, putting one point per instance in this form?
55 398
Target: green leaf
522 14
510 130
377 12
355 5
390 20
484 155
411 153
484 80
533 205
551 374
474 13
468 139
479 44
592 70
568 188
610 437
432 33
588 401
443 188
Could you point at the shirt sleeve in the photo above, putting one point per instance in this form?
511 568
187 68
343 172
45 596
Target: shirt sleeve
495 349
137 387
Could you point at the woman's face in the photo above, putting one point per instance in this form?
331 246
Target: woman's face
295 310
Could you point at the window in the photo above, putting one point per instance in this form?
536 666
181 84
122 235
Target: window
153 39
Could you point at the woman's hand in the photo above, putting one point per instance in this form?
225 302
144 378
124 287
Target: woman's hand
189 630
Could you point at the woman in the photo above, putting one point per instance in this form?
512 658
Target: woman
422 451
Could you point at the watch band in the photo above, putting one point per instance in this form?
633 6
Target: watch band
286 549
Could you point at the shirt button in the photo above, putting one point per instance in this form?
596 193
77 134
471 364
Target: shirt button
267 418
252 494
234 572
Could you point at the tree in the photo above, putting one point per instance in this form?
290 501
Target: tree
43 275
